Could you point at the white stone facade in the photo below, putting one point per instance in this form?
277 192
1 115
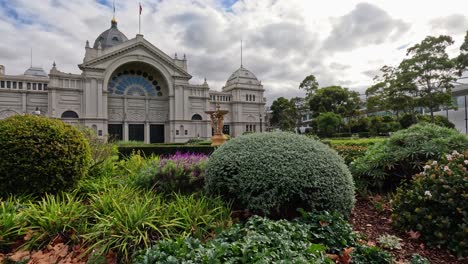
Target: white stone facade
131 90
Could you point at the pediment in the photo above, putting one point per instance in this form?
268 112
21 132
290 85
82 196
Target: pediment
138 47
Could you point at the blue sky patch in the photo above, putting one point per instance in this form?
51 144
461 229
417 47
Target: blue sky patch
228 3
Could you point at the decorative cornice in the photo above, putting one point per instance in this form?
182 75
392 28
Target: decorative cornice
106 57
65 89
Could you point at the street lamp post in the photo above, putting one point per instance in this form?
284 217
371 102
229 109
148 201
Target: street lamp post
37 111
261 130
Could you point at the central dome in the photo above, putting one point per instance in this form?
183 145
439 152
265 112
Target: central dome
242 75
110 37
36 71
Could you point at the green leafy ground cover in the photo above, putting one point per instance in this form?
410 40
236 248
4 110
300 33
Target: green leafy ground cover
141 209
261 240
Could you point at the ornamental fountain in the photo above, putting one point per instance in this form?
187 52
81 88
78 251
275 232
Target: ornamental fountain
217 123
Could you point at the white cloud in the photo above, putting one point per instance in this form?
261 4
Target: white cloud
341 42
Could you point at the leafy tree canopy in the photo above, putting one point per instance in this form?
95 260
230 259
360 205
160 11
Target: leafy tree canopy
284 114
423 79
309 84
335 99
462 59
328 123
390 92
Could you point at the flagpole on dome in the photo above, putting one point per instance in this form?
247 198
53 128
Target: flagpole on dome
139 19
113 6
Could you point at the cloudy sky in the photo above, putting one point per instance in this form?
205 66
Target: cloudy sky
341 42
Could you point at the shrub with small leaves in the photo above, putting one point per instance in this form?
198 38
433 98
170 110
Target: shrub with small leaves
435 203
275 173
404 154
39 155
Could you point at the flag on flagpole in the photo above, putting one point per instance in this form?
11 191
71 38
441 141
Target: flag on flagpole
141 8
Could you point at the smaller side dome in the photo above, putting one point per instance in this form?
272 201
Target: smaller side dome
110 37
244 76
35 71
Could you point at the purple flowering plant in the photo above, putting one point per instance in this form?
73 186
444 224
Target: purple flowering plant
180 172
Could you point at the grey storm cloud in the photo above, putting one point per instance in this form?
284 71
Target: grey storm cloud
284 38
281 45
338 66
365 25
452 25
371 73
201 31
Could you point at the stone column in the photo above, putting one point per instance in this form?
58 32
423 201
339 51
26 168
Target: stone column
147 132
24 106
125 131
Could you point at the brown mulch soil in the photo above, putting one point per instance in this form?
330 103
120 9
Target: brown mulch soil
57 253
373 223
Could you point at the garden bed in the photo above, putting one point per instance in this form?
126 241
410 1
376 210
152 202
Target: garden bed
372 217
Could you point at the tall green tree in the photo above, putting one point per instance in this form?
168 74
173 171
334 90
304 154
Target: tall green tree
301 107
462 59
391 92
284 114
309 84
328 123
335 99
430 69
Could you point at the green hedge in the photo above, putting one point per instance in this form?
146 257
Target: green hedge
164 150
39 155
362 142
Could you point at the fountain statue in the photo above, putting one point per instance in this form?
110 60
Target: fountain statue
217 123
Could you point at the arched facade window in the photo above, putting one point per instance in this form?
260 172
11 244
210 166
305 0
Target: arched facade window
69 114
197 117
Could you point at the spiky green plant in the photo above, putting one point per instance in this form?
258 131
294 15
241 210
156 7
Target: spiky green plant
125 220
62 215
11 223
199 216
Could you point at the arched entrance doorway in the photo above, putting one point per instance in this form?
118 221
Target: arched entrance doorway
138 103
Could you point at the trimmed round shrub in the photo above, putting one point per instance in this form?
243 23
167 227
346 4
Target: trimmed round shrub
435 203
410 119
273 174
39 155
404 154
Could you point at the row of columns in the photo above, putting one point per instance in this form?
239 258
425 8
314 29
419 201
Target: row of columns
147 134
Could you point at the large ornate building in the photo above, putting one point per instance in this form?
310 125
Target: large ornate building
131 90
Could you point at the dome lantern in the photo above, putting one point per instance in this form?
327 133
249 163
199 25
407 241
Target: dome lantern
110 37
